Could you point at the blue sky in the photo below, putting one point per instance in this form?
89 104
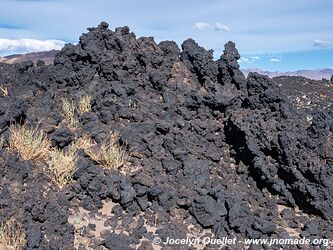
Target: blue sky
272 35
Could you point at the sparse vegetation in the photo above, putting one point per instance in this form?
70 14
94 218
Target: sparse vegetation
29 144
62 165
68 109
34 145
85 104
4 90
2 141
108 154
12 235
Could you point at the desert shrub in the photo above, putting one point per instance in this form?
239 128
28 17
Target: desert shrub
62 165
12 235
29 144
108 154
68 110
85 104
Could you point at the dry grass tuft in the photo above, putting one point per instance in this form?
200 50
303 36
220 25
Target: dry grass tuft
85 104
29 144
68 110
12 235
4 91
62 165
2 142
108 154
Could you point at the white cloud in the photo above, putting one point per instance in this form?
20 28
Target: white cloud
221 27
201 26
29 45
249 59
217 26
255 58
322 43
243 60
275 60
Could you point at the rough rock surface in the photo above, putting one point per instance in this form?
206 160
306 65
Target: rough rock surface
217 152
307 94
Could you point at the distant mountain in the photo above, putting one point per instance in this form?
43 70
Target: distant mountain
46 56
311 74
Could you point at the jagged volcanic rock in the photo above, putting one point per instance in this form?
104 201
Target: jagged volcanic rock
214 150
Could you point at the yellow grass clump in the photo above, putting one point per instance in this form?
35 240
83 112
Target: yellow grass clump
108 154
68 110
29 144
62 165
85 104
12 235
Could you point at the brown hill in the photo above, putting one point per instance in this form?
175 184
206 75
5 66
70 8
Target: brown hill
46 56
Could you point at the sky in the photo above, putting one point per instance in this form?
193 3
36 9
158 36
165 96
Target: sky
271 35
